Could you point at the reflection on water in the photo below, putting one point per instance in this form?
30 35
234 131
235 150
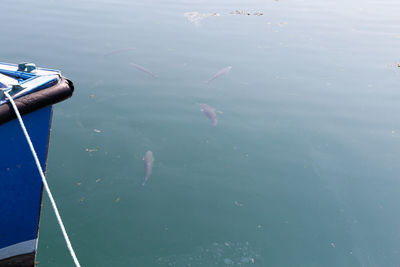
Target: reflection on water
217 254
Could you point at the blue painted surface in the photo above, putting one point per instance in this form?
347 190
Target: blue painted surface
20 182
30 82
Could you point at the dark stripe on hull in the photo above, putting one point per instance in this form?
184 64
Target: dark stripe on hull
37 100
26 260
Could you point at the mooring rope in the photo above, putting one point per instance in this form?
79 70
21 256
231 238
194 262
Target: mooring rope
46 186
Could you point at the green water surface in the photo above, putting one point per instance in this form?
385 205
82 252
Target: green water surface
301 169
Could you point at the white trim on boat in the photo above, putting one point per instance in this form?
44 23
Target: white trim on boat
39 71
4 79
36 82
33 83
18 249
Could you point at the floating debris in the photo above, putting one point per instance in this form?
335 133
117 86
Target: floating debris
98 180
117 200
333 245
91 150
82 199
246 13
239 12
148 165
91 96
141 68
195 17
237 204
220 73
210 113
96 131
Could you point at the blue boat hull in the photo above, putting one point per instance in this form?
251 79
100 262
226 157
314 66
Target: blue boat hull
21 187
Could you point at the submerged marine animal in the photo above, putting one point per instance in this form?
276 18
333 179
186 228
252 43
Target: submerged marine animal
141 68
148 165
210 113
220 73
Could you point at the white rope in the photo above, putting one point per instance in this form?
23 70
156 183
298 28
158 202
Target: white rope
53 203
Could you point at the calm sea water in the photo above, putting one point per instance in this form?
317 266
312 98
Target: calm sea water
301 169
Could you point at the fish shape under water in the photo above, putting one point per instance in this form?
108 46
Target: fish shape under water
220 73
141 68
210 113
148 165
